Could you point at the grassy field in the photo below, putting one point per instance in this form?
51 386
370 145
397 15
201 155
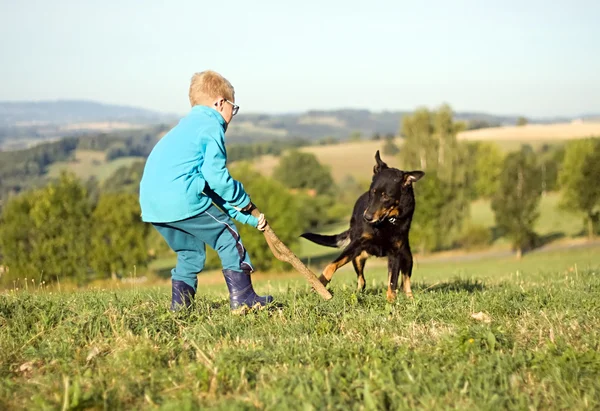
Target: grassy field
552 221
356 159
337 157
534 132
88 163
487 334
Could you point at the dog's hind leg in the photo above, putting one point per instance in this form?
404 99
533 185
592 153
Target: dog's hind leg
393 273
347 255
359 266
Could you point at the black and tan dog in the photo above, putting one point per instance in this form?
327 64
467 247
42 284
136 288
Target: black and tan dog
379 227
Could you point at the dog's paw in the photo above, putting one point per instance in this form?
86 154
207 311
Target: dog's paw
323 280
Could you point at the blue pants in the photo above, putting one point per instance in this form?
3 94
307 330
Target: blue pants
189 237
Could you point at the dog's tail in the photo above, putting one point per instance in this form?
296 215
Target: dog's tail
335 241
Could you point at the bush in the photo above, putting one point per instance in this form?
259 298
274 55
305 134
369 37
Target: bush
118 237
302 170
474 236
390 148
45 233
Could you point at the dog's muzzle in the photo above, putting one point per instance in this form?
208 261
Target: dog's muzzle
368 217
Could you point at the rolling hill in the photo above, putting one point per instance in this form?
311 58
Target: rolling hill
24 124
69 112
340 124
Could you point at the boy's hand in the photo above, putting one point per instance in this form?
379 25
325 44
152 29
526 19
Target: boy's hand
262 222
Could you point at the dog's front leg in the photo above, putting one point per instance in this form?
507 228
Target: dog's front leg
406 265
393 273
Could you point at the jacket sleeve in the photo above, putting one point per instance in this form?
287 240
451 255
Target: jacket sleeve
215 172
231 212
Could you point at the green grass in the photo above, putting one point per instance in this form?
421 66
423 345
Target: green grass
122 349
309 249
89 163
552 220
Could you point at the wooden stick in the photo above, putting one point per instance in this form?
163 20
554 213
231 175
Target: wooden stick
283 253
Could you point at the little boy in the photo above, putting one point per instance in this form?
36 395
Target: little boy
186 173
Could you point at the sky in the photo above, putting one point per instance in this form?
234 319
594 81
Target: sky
534 58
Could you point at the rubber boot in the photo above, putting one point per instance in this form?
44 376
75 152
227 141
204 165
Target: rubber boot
182 295
241 292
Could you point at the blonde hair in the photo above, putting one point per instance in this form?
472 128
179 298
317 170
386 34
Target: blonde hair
207 85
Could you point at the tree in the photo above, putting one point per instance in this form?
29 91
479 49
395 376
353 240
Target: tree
116 150
426 227
376 137
318 211
125 179
487 159
390 148
118 241
355 136
45 233
303 171
515 204
326 141
479 124
550 159
420 145
431 145
521 121
579 178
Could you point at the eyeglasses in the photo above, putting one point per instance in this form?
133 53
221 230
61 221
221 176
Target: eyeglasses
235 109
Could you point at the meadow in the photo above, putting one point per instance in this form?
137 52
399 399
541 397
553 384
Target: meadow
88 163
486 334
336 157
534 132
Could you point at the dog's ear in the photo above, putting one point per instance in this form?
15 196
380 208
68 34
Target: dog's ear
412 176
380 165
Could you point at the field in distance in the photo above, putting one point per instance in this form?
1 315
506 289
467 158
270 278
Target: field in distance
357 158
88 163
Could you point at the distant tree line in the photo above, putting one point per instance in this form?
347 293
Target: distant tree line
28 168
240 151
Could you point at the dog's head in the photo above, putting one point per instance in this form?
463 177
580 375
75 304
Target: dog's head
390 191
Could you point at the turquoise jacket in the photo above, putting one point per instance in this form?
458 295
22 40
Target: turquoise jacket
187 171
